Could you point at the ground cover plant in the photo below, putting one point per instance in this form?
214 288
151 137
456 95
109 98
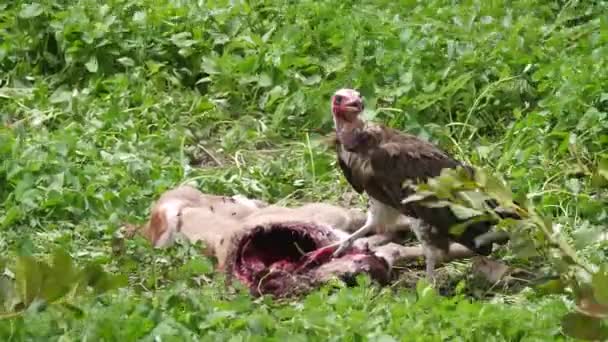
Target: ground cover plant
105 106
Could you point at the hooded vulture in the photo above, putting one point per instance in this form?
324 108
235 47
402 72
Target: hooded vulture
377 160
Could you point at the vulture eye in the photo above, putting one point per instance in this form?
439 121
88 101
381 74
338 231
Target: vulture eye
338 99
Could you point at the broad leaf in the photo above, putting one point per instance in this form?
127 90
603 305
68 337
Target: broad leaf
31 11
600 285
29 278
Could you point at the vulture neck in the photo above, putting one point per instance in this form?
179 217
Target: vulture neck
351 134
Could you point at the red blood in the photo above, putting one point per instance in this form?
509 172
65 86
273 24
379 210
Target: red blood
322 254
317 257
284 265
280 259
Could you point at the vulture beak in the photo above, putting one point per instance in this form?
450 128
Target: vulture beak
351 104
347 104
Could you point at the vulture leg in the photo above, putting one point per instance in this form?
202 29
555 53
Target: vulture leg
373 241
433 256
379 217
434 246
361 232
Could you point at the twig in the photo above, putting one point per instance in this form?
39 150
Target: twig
312 160
217 161
261 281
556 191
561 244
389 109
9 315
299 248
284 201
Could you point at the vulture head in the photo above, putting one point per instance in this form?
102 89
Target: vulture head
346 105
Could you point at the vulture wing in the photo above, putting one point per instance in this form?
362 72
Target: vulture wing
402 157
380 171
355 169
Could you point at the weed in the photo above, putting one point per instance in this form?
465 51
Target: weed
104 107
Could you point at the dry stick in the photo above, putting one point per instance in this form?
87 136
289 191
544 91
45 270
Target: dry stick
299 248
217 161
9 315
312 160
261 281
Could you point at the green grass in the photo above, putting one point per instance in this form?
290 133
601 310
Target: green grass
104 107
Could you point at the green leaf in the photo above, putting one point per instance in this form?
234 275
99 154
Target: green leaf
553 286
31 11
426 295
126 61
586 235
385 338
463 212
139 17
602 168
523 247
61 95
264 80
28 277
12 215
94 276
312 80
74 309
600 285
458 229
573 185
416 197
60 278
9 297
497 189
198 266
598 181
210 66
182 40
92 65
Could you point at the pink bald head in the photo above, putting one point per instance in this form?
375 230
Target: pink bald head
346 104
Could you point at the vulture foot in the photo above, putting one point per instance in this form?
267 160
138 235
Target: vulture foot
343 246
336 249
434 246
348 242
433 256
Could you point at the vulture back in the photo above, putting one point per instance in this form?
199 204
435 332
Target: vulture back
383 159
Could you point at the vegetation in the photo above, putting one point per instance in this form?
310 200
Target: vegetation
104 107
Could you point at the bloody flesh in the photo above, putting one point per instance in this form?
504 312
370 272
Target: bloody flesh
274 259
277 249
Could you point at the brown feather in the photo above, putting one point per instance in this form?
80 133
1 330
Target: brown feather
382 158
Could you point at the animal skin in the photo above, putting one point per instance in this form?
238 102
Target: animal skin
264 247
165 219
241 233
